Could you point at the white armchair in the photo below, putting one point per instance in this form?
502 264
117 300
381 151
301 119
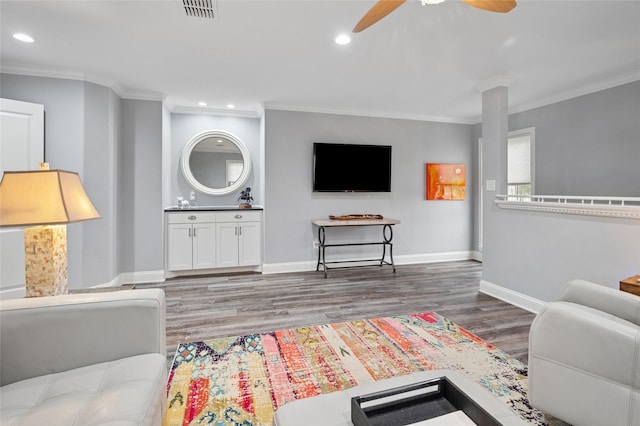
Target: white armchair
91 358
584 356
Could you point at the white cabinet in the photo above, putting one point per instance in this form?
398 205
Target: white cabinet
190 241
238 238
201 240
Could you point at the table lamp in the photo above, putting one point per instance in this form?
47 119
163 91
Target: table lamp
44 201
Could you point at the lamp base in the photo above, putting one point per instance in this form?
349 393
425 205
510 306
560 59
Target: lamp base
45 260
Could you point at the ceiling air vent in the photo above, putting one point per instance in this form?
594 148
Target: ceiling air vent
200 8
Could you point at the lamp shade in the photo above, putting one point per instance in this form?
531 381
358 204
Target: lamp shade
43 197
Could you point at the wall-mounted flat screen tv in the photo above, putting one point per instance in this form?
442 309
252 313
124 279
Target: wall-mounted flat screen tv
351 168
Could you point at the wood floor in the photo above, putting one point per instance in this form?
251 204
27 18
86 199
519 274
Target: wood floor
202 308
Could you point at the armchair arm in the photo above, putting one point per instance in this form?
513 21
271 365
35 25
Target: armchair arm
51 334
584 365
617 303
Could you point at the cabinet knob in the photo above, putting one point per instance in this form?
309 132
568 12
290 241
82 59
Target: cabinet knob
192 217
238 216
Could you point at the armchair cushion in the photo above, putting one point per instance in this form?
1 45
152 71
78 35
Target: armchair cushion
113 391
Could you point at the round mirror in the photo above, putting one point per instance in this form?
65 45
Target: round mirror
215 162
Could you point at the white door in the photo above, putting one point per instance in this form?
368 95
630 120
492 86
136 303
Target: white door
21 148
249 246
204 245
226 244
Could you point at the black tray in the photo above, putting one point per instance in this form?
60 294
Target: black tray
414 403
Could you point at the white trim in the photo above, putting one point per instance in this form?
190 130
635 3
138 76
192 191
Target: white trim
618 207
212 271
178 109
434 257
497 81
13 293
374 114
477 255
155 96
609 83
133 278
142 95
306 266
513 297
116 282
281 268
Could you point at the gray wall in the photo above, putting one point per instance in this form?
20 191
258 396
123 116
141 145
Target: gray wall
140 237
128 152
63 102
186 126
90 130
589 145
101 108
428 227
534 254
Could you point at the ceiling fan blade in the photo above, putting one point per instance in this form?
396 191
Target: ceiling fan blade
501 6
376 13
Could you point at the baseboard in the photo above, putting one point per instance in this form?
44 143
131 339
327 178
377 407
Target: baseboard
212 271
434 257
13 293
513 297
134 278
279 268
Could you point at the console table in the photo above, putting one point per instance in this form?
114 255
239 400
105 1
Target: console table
387 236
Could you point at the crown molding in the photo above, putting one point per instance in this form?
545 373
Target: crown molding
178 109
497 81
588 89
373 114
67 75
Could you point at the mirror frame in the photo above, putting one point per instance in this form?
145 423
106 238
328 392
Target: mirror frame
195 184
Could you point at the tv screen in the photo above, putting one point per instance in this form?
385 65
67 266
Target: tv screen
351 168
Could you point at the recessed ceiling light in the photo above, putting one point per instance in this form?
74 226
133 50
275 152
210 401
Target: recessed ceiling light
231 106
23 37
202 104
343 39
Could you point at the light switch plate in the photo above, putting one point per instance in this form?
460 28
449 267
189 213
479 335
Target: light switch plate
491 185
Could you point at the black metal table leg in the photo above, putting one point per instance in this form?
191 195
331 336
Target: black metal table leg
387 240
321 237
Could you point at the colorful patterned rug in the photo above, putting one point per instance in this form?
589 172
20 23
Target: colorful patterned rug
241 381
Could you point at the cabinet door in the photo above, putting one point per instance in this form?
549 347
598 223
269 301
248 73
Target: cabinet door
179 257
249 244
204 245
226 244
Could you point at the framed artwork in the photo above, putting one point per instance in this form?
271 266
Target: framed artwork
446 181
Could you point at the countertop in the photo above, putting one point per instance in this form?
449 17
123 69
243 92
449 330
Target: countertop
210 208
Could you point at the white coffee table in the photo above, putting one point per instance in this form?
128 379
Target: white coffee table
334 409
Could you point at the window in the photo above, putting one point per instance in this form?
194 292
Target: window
520 168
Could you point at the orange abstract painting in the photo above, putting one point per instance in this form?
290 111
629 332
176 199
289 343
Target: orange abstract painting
446 181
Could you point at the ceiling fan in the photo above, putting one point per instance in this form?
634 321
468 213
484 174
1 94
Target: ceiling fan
385 7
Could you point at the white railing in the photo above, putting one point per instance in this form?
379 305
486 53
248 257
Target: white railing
621 207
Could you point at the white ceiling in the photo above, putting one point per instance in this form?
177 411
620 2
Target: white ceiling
422 62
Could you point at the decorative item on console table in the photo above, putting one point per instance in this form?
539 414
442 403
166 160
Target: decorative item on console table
246 197
356 217
631 285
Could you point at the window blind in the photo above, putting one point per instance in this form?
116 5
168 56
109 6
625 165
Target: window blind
519 160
